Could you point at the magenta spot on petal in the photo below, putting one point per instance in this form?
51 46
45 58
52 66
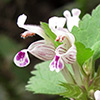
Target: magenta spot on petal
20 55
24 63
52 63
60 65
56 60
26 60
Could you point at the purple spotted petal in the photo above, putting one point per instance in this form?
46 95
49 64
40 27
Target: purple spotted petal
42 50
21 59
57 64
68 55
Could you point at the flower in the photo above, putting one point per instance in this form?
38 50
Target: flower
72 20
63 56
66 52
56 25
31 29
97 95
45 49
39 49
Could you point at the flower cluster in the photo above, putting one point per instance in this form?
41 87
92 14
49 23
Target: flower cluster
45 49
61 54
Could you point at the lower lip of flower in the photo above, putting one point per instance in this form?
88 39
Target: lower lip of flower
24 63
20 56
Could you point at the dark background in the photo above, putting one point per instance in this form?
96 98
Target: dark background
12 78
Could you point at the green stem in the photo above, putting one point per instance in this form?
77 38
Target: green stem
83 72
67 75
77 74
87 82
92 69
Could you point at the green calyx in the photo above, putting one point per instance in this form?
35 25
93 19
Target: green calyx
50 34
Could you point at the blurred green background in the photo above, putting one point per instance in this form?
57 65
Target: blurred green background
12 78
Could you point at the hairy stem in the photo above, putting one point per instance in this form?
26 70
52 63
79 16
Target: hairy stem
67 75
77 74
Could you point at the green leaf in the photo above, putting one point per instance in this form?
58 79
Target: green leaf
88 32
73 91
83 53
48 30
96 48
49 33
45 81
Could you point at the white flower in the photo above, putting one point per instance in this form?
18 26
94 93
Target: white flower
56 22
97 95
39 49
66 52
64 55
56 25
31 29
42 49
72 20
